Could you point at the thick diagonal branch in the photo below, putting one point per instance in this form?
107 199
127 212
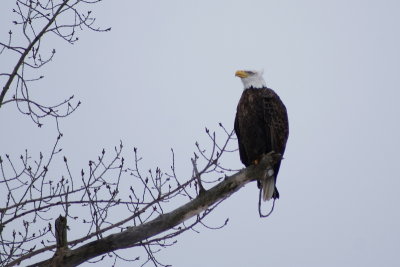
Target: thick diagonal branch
134 235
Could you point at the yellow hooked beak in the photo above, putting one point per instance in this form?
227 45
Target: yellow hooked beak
241 74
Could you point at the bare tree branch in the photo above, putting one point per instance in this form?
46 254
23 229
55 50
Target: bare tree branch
134 235
37 19
107 186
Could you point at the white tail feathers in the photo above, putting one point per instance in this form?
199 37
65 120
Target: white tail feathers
268 185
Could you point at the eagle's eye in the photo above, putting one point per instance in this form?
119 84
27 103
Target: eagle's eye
250 72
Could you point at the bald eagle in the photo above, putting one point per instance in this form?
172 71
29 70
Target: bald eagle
261 126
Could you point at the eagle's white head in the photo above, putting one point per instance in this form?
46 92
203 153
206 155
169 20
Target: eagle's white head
251 78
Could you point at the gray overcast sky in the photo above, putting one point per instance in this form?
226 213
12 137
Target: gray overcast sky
166 71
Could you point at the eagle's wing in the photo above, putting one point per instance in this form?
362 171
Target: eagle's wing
276 124
242 151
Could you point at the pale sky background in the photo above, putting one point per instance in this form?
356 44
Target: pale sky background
166 71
